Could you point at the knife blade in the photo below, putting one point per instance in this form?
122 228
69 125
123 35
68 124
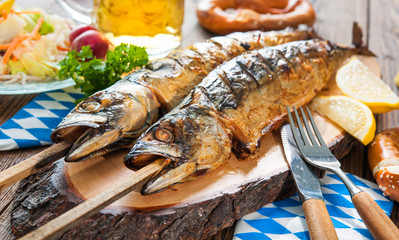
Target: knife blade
306 179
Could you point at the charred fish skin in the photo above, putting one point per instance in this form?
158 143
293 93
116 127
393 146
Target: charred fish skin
122 113
177 140
173 77
112 119
241 100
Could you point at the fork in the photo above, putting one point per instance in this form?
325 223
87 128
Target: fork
316 153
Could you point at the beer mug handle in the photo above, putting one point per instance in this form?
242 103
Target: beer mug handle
76 11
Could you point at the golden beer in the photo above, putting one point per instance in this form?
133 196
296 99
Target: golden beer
154 24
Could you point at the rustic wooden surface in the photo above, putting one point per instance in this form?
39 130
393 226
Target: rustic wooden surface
378 20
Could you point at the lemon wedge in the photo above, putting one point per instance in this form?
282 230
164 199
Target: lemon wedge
6 5
397 79
352 115
356 80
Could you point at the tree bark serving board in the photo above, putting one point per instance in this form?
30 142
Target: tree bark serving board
187 211
192 210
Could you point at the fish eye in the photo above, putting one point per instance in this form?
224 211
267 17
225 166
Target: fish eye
89 107
164 135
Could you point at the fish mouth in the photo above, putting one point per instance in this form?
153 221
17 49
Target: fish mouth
175 168
95 139
144 153
72 130
95 135
93 142
75 130
99 141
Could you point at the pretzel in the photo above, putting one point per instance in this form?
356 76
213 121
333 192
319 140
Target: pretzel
383 155
226 16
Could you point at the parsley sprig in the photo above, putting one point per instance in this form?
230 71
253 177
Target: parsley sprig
92 74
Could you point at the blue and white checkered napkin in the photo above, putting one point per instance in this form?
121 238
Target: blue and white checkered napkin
33 124
285 219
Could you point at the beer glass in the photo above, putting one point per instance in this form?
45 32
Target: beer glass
154 24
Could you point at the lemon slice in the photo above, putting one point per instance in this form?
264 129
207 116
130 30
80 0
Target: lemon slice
355 80
6 5
397 79
353 116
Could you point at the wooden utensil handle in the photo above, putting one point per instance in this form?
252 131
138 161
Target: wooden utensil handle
319 222
375 219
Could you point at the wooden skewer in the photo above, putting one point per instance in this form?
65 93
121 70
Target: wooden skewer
73 217
32 164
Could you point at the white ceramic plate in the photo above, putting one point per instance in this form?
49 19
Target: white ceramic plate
29 88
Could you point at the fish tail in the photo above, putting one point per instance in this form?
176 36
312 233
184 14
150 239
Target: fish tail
357 41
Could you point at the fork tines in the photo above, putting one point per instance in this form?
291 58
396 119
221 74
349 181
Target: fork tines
309 131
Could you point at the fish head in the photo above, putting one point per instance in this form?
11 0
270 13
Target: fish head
108 119
191 141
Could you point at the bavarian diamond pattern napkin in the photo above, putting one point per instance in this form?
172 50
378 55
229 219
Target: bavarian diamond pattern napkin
33 124
285 219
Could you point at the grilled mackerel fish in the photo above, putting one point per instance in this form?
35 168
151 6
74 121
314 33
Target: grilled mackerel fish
113 118
232 108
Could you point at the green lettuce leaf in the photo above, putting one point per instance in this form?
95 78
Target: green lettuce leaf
31 21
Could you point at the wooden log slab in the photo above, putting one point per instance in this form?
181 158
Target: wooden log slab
192 210
49 193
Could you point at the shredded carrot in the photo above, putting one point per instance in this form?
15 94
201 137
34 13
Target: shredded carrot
13 45
35 32
61 48
14 58
18 41
25 12
4 16
67 43
4 13
5 46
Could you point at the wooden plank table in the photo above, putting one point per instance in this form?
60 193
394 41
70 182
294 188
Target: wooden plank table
378 20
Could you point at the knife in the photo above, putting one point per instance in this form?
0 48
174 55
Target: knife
306 179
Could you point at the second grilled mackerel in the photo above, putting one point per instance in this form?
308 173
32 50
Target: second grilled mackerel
113 118
233 107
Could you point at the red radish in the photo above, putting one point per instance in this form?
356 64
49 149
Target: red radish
79 30
97 42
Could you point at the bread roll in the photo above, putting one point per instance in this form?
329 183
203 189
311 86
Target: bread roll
383 156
